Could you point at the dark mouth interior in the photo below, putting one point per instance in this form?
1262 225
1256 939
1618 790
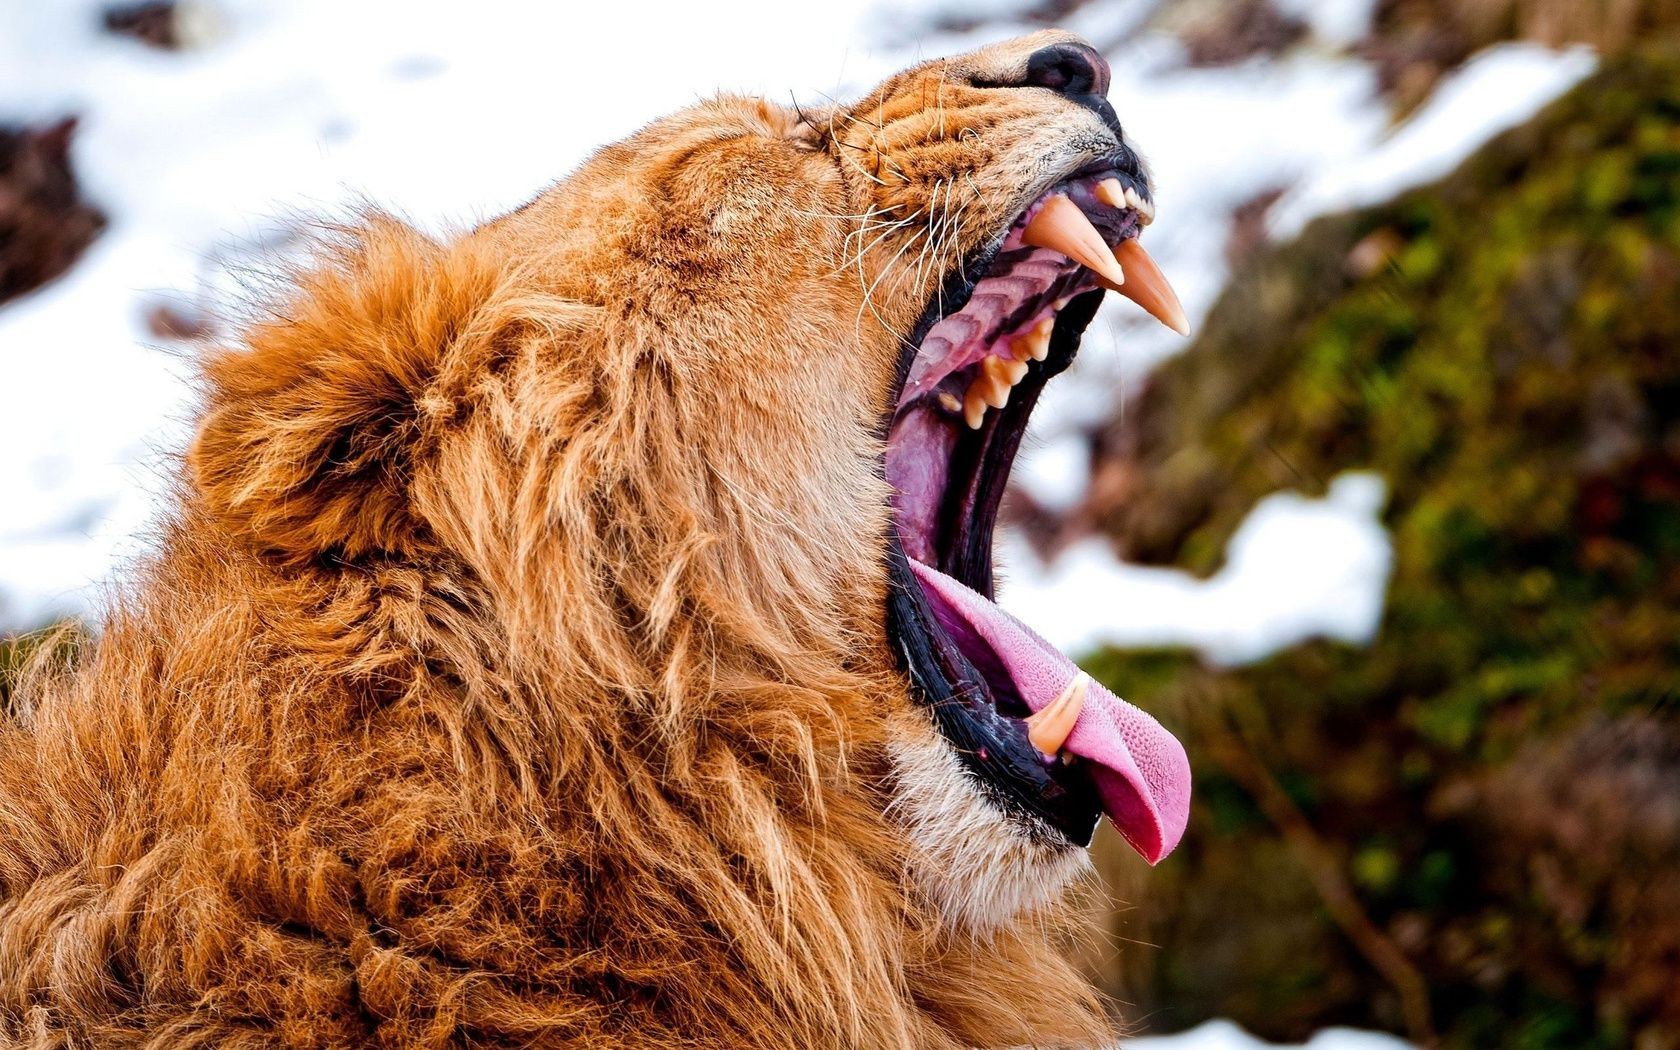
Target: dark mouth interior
949 478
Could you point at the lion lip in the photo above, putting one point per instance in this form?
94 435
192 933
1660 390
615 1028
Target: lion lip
1141 772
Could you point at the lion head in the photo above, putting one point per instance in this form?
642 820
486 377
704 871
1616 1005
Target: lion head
628 559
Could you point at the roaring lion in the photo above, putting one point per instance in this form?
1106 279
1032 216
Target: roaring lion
577 632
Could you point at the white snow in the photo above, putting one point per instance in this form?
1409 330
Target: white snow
1295 569
1223 1035
1495 91
1337 23
1061 470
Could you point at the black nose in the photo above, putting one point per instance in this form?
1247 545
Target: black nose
1071 69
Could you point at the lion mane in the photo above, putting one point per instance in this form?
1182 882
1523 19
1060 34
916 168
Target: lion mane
511 668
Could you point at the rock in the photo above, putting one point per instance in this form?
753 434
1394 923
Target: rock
44 222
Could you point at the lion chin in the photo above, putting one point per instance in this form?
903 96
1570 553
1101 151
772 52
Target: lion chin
578 631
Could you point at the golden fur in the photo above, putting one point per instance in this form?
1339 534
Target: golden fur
513 669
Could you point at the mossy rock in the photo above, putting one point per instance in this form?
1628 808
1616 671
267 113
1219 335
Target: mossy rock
1504 348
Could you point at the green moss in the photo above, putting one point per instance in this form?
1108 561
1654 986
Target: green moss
1513 371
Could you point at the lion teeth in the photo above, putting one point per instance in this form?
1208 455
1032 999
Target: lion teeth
988 389
1111 193
994 381
997 376
1148 287
1050 726
1061 227
1035 343
1145 209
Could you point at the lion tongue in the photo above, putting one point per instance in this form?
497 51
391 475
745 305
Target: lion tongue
1140 769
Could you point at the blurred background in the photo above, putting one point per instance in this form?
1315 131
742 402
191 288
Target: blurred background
1393 543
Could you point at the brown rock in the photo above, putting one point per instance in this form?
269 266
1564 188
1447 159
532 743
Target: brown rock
44 222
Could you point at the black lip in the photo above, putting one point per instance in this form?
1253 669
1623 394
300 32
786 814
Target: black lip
990 743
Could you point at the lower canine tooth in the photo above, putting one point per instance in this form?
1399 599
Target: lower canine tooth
1050 726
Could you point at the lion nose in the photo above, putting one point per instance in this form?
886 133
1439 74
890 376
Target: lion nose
1071 69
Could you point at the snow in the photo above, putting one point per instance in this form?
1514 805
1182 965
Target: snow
1295 569
1495 91
1061 471
1335 23
1223 1035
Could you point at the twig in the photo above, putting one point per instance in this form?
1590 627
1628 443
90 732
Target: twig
1324 870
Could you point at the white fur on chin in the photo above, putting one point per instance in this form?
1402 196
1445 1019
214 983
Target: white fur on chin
980 864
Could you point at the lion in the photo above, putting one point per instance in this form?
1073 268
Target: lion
577 630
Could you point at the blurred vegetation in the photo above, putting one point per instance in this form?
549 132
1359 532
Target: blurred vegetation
1470 829
1415 42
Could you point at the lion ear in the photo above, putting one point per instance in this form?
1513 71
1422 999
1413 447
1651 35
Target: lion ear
313 426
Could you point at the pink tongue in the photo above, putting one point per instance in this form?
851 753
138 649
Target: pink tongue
1139 768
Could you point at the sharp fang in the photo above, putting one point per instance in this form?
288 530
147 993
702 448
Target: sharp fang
1061 227
1148 287
1049 727
1110 192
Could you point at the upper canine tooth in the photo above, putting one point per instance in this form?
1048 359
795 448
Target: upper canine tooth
1061 227
1050 726
1149 288
1110 193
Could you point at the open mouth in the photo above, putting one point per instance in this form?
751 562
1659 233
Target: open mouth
1040 736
